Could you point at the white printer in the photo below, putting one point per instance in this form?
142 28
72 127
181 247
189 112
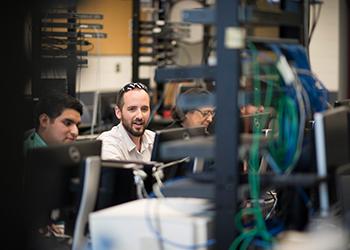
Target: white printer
158 223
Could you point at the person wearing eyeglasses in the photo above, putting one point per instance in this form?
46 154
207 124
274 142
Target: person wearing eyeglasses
194 117
129 140
57 117
204 115
200 116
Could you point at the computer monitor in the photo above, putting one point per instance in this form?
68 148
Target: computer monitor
98 110
332 144
343 102
342 179
52 181
177 134
116 185
88 100
172 134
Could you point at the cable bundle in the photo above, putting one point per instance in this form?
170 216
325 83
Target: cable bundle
294 95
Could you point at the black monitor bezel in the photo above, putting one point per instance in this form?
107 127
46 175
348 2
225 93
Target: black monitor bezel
167 135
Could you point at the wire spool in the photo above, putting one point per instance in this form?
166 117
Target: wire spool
196 31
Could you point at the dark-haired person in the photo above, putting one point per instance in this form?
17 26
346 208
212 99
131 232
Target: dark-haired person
130 140
56 117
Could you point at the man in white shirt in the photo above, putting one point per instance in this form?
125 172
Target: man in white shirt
130 140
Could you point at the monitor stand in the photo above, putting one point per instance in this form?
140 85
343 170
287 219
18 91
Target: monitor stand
198 165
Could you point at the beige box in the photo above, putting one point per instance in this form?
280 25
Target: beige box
164 223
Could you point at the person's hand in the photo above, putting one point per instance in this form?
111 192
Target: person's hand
248 113
251 109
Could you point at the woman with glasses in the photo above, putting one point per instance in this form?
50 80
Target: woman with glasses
192 117
199 116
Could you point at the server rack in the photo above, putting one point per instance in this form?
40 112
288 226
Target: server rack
60 43
229 18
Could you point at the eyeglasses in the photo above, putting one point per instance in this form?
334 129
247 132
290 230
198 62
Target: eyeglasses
206 113
134 85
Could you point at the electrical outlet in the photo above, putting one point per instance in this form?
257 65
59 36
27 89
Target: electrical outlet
117 67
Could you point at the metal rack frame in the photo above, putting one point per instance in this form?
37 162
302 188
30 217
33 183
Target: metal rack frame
227 76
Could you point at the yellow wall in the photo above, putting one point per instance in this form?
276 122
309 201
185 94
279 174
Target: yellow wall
116 23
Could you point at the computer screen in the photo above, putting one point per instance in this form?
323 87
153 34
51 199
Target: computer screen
179 169
332 145
88 100
342 180
332 126
167 135
98 110
343 102
52 180
116 185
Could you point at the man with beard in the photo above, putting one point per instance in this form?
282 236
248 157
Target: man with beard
129 140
